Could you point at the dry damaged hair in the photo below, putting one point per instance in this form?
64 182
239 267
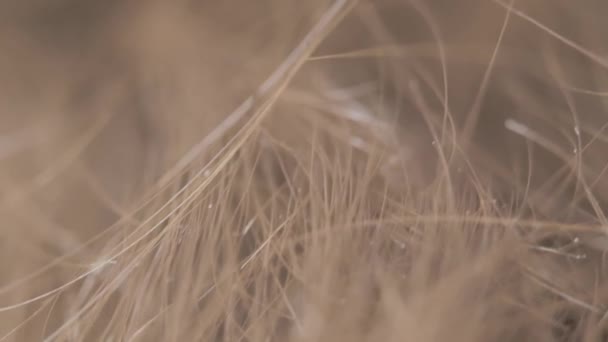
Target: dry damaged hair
288 170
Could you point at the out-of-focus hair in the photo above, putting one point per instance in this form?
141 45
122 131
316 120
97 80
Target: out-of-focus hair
322 170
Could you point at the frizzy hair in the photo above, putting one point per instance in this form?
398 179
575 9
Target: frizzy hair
283 170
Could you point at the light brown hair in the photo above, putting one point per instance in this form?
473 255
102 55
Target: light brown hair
283 170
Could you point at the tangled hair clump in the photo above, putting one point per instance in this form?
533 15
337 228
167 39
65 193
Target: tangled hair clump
325 170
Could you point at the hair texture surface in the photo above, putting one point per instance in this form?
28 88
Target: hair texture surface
320 170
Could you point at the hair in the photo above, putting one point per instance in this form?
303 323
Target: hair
322 170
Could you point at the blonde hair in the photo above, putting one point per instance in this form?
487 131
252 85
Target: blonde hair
283 170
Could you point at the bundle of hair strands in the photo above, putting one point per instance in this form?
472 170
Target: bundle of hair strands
282 170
